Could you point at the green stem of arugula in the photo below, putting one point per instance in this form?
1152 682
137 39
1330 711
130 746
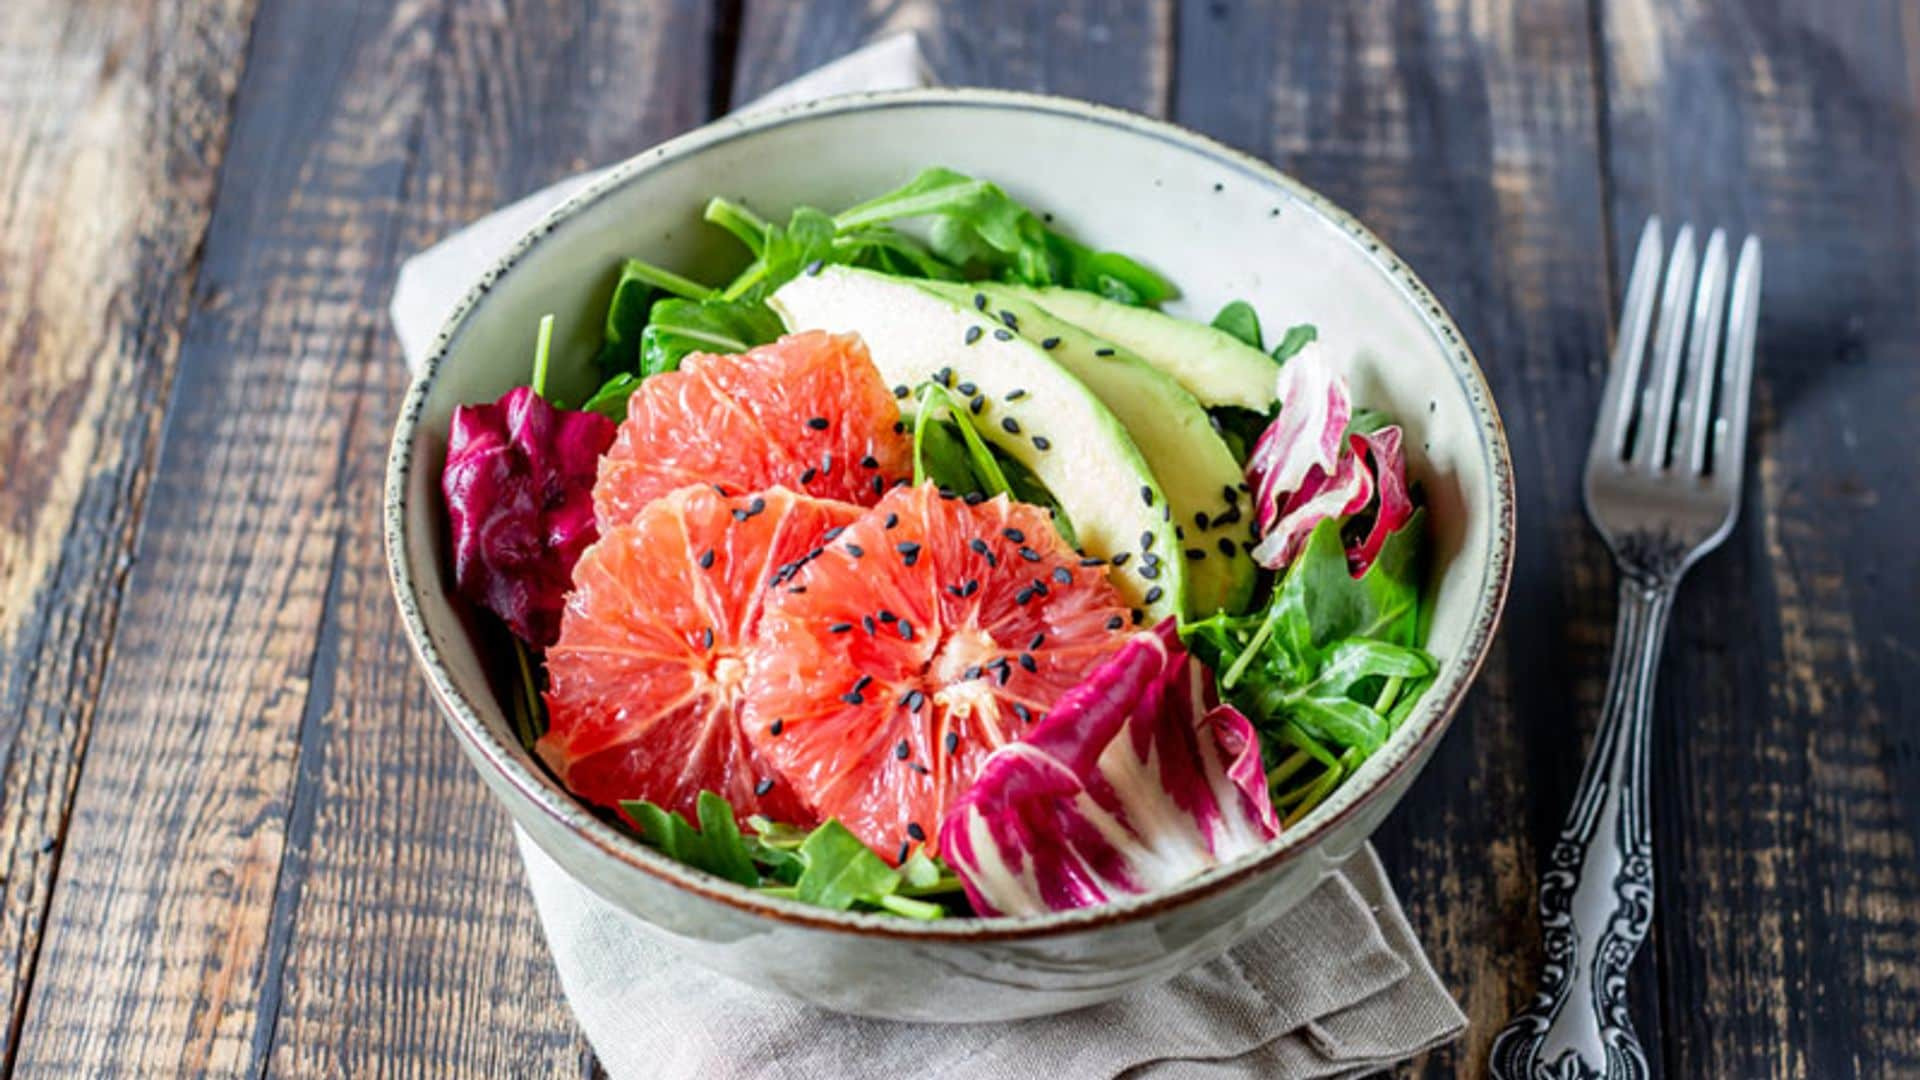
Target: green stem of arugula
1241 662
750 228
542 349
661 278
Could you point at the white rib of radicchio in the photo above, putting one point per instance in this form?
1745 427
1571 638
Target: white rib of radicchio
1135 781
1307 468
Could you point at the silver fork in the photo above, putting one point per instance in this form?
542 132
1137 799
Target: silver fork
1663 488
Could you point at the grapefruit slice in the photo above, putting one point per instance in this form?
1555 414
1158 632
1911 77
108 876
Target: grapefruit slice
808 412
645 682
926 635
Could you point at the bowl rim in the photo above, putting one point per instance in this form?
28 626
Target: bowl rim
1427 725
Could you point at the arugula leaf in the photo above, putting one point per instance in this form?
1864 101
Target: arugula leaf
1367 421
1239 428
750 228
1295 339
976 226
1027 488
715 847
610 400
948 450
542 354
893 252
841 870
1239 319
626 318
806 239
679 327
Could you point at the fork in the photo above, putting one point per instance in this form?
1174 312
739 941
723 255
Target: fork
1662 488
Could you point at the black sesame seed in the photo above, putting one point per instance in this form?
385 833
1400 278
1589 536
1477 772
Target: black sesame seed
915 699
1025 714
974 498
798 589
1016 394
1009 425
817 423
826 462
901 391
887 616
1139 616
1103 352
813 268
1150 571
706 638
954 589
952 741
1039 587
1146 541
1146 494
867 622
1027 661
973 334
978 545
1023 596
853 699
1116 623
907 547
706 559
1007 318
980 300
944 376
1228 493
1155 593
758 505
1003 335
776 727
807 477
901 750
1049 343
833 533
892 520
869 462
1093 560
979 402
966 389
972 586
765 785
1226 546
919 768
1228 518
722 492
1200 519
906 630
914 830
1196 553
740 515
1121 559
1014 535
1150 559
1029 554
1180 532
904 848
1041 442
899 427
1063 575
972 672
877 484
1036 641
862 683
856 550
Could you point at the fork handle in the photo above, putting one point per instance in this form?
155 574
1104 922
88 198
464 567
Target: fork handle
1596 895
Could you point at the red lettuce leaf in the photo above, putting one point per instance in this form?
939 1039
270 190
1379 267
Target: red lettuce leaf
1134 782
519 489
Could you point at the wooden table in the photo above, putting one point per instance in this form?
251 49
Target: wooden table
235 837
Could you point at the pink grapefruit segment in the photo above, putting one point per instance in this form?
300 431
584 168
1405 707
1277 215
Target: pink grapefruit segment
646 682
926 635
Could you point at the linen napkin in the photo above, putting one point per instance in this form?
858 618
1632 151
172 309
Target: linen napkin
1339 987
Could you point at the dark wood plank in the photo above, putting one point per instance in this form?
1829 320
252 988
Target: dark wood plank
1788 791
278 860
1466 136
1103 50
113 120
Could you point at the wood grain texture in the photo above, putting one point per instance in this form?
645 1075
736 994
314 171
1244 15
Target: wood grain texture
1466 136
1789 709
278 861
1112 51
113 119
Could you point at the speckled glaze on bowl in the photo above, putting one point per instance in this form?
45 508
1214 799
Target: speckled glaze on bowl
1218 223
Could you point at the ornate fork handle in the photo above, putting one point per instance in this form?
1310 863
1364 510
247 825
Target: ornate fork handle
1596 896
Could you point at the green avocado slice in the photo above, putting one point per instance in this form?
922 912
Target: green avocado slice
1191 462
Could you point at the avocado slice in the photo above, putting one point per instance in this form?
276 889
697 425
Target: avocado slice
1193 465
1030 407
1214 366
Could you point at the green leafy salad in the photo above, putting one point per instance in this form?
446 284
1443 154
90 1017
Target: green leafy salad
927 568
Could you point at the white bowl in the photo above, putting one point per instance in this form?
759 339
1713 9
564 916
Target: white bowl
1221 225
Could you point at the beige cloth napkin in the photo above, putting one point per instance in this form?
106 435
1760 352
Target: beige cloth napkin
1338 988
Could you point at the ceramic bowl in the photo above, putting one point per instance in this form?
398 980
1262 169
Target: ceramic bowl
1221 225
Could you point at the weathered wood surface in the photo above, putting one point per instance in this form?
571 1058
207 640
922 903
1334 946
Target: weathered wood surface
276 863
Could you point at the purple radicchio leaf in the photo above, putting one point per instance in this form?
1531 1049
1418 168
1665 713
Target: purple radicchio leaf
1396 504
1314 409
1134 782
519 489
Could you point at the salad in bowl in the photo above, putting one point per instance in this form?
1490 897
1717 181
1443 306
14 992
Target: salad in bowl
923 566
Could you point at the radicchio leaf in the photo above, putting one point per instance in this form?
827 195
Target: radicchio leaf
1133 782
1314 408
1390 478
519 489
